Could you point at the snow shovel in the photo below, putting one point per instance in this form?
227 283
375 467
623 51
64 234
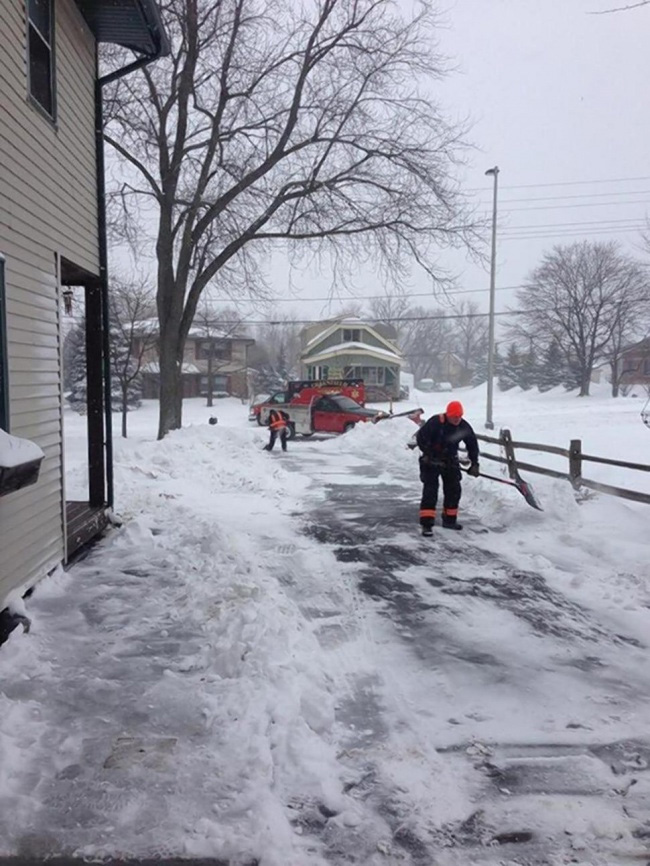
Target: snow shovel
385 416
522 486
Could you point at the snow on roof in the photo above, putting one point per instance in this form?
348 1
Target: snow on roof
201 332
207 332
354 348
14 451
154 367
330 327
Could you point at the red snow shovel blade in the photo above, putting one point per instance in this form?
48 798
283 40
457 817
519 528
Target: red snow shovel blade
528 493
522 486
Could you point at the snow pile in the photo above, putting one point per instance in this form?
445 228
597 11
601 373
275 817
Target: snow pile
268 663
205 663
15 451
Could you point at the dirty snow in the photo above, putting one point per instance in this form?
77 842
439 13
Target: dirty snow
267 664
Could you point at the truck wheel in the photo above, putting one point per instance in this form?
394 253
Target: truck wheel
291 428
349 426
259 420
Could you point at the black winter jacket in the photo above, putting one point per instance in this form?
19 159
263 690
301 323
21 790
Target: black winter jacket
439 440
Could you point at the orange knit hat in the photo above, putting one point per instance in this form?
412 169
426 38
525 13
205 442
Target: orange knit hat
455 409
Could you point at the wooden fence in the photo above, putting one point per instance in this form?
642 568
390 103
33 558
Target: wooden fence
575 458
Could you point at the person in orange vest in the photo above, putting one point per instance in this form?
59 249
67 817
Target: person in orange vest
278 425
438 440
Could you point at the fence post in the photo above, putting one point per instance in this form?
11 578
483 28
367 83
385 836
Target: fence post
575 462
506 441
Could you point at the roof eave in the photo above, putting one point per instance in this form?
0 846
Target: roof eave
133 24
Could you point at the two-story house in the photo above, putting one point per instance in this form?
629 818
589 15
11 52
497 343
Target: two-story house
634 364
351 348
51 238
215 361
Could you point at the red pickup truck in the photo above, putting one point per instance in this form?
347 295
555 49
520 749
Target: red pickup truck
323 406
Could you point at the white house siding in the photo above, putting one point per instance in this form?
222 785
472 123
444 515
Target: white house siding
47 207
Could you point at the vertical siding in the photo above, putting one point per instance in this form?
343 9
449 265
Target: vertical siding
47 207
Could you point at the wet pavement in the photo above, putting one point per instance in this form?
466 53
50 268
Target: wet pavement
418 588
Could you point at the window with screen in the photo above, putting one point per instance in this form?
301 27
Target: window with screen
40 47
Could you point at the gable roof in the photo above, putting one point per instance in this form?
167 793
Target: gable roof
134 24
352 323
642 344
358 349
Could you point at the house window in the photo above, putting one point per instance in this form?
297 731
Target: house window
646 366
351 335
629 365
4 371
40 42
370 375
219 385
221 350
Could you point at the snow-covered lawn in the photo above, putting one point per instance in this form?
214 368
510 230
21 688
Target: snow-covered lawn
268 664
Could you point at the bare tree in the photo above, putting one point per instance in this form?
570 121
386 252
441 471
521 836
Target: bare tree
279 346
291 122
390 308
215 329
133 333
469 338
424 336
581 296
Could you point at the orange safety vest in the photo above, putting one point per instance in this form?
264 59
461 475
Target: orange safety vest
279 422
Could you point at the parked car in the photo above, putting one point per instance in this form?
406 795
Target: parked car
329 413
302 392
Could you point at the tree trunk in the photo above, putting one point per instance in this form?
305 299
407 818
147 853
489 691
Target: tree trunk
585 382
125 409
171 385
210 395
616 379
171 342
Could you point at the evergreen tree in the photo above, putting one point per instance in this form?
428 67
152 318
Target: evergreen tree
551 371
510 373
480 367
528 369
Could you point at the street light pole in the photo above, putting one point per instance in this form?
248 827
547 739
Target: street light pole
489 424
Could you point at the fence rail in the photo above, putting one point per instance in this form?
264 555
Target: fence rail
575 457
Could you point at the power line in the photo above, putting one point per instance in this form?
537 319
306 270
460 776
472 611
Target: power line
607 222
397 318
566 183
583 195
574 234
565 206
381 297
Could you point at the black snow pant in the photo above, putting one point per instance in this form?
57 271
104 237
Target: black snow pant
430 475
282 433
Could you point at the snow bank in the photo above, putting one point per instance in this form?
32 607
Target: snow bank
14 451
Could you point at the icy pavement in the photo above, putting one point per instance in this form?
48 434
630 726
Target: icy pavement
268 665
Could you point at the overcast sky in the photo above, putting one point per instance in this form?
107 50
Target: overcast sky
558 100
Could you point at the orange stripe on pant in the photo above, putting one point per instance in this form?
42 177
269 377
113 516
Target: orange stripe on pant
450 512
427 512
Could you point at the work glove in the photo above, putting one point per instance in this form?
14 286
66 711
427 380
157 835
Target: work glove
473 470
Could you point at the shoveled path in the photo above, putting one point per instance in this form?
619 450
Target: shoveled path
555 792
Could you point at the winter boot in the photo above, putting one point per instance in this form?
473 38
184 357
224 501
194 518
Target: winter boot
451 523
427 530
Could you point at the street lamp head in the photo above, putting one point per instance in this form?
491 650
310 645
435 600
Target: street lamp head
493 171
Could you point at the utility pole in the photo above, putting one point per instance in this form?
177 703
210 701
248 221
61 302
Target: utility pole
489 424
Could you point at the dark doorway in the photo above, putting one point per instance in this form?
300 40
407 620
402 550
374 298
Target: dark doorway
84 395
